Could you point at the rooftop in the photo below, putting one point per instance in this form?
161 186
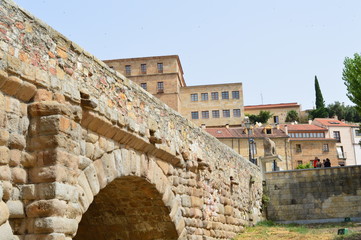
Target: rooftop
240 132
278 105
302 127
331 122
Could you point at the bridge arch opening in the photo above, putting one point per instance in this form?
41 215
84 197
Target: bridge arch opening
129 208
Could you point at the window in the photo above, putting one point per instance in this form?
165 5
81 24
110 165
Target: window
235 94
268 131
336 135
215 113
194 97
299 162
160 87
214 95
298 148
128 69
325 148
226 113
358 132
204 96
205 114
144 86
160 67
236 112
143 68
194 115
340 153
225 95
276 119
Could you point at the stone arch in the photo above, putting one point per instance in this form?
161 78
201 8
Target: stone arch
125 195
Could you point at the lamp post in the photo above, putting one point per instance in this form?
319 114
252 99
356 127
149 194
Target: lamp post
247 123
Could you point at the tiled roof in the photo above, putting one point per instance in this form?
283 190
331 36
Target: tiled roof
331 122
302 127
264 106
223 132
313 139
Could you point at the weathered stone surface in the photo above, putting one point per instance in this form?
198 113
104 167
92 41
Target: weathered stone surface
4 213
16 209
6 232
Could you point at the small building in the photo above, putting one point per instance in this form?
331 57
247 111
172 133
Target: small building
342 133
309 141
237 139
279 111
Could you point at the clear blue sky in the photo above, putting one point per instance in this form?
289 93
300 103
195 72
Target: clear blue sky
275 48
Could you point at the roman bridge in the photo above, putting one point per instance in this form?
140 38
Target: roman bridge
87 154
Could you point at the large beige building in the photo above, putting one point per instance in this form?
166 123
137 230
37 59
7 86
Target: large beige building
213 105
162 76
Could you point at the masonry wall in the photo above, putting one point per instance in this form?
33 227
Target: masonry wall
73 131
314 195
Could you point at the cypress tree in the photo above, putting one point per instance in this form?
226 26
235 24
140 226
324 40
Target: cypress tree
320 103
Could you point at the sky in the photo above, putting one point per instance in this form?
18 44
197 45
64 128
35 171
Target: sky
275 48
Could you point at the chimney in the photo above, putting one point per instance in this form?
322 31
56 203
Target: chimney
309 121
278 126
227 125
286 129
203 126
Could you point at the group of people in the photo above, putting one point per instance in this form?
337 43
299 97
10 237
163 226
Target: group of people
318 164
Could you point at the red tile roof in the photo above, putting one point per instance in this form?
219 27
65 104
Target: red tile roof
331 122
265 106
302 127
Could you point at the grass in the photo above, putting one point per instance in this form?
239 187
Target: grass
272 231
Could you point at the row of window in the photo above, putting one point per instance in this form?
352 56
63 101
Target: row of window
143 68
216 114
325 148
307 135
214 96
160 86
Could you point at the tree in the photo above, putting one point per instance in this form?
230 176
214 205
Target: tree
337 109
292 116
262 117
352 78
320 111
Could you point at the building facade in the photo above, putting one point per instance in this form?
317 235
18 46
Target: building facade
356 139
279 111
309 141
213 105
342 133
162 76
237 139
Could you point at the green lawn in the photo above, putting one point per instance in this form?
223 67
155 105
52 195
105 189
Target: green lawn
272 231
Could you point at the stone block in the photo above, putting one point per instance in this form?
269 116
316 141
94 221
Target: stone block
6 232
51 236
26 92
5 173
46 208
55 224
11 85
56 190
15 157
4 155
27 191
98 165
93 180
19 175
28 160
4 136
17 141
4 213
16 208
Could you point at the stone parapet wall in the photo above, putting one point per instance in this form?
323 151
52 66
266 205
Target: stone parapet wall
314 195
71 128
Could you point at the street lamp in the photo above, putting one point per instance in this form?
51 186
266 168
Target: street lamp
247 123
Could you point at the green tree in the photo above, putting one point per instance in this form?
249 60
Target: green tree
262 117
292 116
337 109
352 78
320 111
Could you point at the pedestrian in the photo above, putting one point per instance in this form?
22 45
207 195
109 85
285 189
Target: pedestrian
315 162
318 164
323 163
328 163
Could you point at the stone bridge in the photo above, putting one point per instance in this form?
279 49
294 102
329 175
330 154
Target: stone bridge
87 154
